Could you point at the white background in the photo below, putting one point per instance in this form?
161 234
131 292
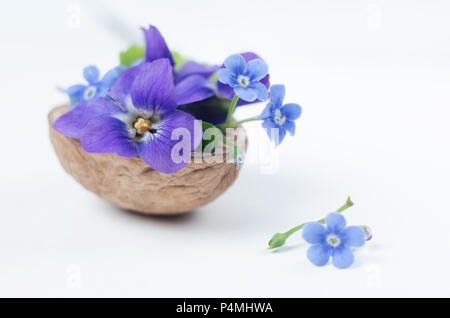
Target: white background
373 80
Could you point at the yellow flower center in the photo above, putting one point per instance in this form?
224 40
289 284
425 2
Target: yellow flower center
142 125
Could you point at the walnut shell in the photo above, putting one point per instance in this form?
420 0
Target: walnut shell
133 185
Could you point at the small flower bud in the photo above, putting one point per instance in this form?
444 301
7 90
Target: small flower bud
367 232
239 160
277 240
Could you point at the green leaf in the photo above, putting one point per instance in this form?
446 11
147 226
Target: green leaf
236 150
178 58
213 77
133 53
215 132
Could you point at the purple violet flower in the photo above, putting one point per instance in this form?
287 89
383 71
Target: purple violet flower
227 90
140 121
334 240
193 83
155 46
96 87
192 80
279 116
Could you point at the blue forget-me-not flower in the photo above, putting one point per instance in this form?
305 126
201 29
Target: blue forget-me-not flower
95 87
245 78
279 116
333 240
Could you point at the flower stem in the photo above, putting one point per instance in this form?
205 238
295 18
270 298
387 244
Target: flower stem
346 205
231 110
280 238
243 121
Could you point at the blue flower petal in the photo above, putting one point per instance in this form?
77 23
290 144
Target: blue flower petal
260 89
257 69
314 233
246 94
153 88
290 127
111 76
102 91
353 236
75 91
91 74
319 254
76 94
277 94
274 131
342 257
268 124
226 77
108 135
335 222
278 139
291 111
267 112
236 64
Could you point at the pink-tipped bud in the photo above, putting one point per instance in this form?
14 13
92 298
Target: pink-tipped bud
367 233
